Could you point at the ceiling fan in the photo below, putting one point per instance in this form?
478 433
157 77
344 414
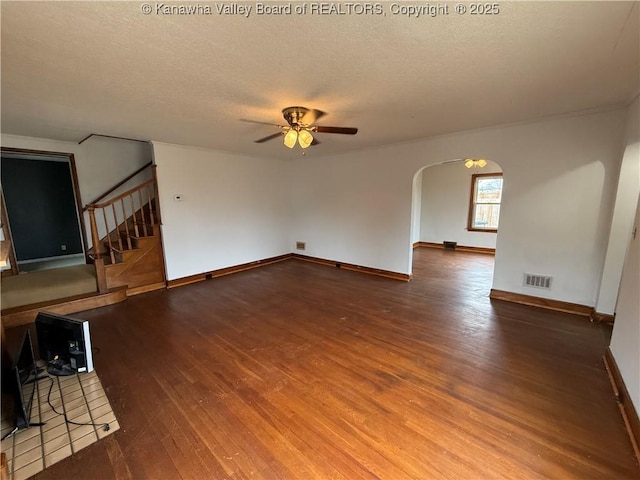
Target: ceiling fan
300 125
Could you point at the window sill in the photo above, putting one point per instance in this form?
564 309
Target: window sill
489 230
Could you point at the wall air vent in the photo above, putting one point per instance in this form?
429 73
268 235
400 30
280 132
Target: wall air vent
301 245
537 281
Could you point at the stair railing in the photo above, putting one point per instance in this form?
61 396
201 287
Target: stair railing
120 183
114 222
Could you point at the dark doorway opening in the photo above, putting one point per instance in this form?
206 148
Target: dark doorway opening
43 205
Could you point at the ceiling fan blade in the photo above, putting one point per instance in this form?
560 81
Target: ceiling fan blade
270 137
312 117
342 130
261 123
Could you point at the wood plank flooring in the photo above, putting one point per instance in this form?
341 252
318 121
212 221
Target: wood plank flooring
302 371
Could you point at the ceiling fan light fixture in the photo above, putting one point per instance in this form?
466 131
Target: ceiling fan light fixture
290 138
300 127
305 138
471 163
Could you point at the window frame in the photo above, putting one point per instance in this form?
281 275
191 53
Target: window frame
473 203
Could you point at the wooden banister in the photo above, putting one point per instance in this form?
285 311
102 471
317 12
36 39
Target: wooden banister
113 215
129 192
117 185
111 232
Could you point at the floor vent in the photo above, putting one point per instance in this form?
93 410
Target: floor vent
538 281
450 245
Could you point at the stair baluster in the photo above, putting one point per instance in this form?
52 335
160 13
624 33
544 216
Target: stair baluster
144 223
135 219
126 225
151 216
115 219
106 225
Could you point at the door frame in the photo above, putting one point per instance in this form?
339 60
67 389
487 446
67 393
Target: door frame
74 181
6 230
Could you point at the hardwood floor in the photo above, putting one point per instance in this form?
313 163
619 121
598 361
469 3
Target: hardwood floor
301 371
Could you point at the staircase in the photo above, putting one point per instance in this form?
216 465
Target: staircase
126 253
125 232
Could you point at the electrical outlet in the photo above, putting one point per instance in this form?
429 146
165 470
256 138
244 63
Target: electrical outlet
63 247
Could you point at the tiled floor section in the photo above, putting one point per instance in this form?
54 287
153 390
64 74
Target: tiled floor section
83 399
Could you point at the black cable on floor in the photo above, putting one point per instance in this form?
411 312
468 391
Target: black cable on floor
105 426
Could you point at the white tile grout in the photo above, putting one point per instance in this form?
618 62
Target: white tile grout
22 465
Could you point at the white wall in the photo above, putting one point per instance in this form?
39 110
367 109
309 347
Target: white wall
560 177
353 209
625 340
623 214
445 205
235 208
416 208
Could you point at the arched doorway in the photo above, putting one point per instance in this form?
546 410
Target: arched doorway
457 205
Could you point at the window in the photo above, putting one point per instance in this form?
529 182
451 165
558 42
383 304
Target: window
484 208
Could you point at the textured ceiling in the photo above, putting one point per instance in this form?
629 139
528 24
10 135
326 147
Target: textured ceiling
74 68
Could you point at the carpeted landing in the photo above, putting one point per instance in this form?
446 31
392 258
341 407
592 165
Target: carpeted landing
46 285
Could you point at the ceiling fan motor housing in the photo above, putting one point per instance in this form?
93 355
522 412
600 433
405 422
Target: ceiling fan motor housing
294 115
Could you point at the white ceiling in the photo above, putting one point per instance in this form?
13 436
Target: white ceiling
74 68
